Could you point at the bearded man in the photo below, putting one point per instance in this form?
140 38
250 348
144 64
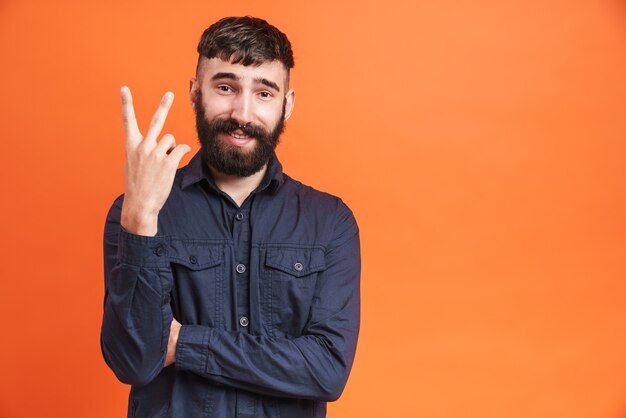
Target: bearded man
231 289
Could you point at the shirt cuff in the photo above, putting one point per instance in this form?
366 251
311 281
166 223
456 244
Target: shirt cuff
192 348
143 251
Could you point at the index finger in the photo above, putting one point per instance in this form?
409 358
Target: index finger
158 120
128 115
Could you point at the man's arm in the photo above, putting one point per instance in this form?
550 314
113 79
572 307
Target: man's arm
313 366
137 315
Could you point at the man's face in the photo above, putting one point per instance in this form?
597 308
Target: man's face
240 113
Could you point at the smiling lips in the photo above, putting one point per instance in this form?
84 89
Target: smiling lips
238 138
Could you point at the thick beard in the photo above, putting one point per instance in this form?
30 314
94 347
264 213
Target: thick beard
229 159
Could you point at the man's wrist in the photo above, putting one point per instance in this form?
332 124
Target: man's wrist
139 222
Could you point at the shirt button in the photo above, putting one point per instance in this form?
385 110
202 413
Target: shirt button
298 266
243 321
159 251
240 268
239 216
193 259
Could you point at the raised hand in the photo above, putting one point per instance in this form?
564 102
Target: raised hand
150 166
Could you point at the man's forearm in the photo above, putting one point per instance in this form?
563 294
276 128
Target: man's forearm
137 314
307 367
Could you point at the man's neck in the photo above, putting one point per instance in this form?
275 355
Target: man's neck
238 188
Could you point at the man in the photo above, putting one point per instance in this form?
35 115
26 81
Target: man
231 289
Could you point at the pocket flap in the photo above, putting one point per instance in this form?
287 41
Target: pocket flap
297 262
196 255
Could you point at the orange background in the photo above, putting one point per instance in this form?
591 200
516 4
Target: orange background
481 145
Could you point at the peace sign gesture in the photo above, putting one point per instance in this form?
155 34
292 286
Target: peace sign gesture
149 168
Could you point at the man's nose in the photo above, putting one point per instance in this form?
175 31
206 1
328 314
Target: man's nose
243 107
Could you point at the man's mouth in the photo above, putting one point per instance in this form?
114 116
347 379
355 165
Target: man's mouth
239 136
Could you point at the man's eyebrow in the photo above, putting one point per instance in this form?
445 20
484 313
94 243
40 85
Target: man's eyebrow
267 83
219 76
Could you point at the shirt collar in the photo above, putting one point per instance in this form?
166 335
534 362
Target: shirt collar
197 170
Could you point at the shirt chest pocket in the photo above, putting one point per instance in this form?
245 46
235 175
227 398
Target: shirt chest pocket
198 269
290 277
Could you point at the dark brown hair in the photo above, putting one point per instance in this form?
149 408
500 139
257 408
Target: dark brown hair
245 40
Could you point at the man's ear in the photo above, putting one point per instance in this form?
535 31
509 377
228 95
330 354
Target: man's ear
193 91
290 101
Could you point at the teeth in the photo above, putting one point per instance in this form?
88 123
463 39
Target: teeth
234 135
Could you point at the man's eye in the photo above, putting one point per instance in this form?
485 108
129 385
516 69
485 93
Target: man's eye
224 88
265 94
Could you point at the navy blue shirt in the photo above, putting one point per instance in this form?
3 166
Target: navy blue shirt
267 295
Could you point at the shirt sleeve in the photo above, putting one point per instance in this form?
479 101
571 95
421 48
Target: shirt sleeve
137 314
314 365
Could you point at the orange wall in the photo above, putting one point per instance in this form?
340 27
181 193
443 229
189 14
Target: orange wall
481 145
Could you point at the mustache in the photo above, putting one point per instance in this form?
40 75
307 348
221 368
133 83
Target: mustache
229 125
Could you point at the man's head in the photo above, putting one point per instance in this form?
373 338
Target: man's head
241 93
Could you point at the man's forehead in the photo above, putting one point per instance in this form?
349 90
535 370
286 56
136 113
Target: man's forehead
271 70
